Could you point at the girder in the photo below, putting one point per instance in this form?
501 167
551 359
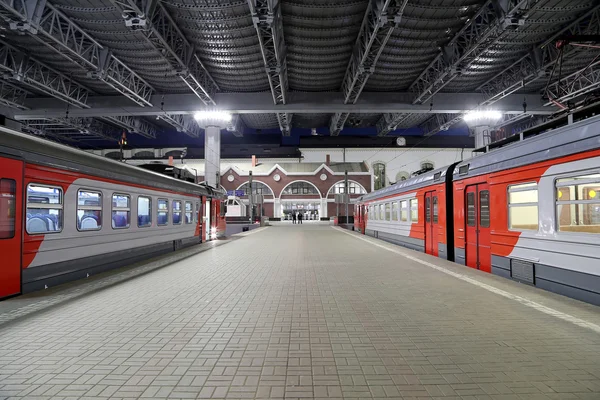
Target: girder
480 32
268 22
18 67
536 64
183 123
575 85
381 17
162 32
439 122
529 68
134 125
83 126
388 122
12 96
236 126
47 25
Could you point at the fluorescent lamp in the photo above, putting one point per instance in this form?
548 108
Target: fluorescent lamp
489 115
221 116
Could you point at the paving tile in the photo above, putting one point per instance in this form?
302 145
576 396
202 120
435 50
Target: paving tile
296 313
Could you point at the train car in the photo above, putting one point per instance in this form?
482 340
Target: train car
412 213
530 211
66 214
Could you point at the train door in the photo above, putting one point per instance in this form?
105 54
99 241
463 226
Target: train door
431 221
11 225
478 238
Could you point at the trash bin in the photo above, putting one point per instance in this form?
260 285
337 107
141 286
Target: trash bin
245 229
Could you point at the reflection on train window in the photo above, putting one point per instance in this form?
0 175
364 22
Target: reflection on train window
484 208
176 212
197 212
395 211
387 211
404 210
121 211
163 212
435 210
8 191
470 209
188 212
371 213
414 210
523 207
382 212
44 209
144 211
578 204
89 210
428 209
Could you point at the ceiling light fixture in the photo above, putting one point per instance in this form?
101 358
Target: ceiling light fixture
483 115
221 116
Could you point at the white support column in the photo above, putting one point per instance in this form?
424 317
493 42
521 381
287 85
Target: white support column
212 155
277 208
323 213
482 136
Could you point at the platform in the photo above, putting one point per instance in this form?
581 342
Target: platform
306 311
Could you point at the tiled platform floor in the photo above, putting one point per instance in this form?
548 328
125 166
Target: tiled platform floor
301 312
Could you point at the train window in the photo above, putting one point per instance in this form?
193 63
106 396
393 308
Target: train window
578 204
163 212
144 211
176 212
44 209
470 209
523 207
89 210
371 213
484 208
382 212
8 192
197 211
435 209
121 211
404 210
387 211
189 210
414 210
395 211
428 209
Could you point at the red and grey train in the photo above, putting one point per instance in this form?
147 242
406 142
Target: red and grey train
529 211
66 214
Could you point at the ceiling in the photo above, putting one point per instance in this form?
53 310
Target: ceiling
83 71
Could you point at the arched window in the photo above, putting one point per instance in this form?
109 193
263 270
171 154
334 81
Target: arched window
257 188
300 188
379 173
353 188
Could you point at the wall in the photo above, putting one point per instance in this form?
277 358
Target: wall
396 160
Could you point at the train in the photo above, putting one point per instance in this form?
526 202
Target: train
66 214
528 211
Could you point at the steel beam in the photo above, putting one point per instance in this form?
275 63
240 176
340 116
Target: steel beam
183 123
162 32
80 126
19 67
479 33
536 64
388 122
134 125
439 122
381 17
43 22
268 22
12 96
236 126
577 84
299 102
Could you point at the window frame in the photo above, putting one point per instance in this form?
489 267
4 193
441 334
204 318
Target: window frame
149 211
573 182
474 195
396 214
179 212
406 208
91 208
388 211
410 202
158 211
191 212
480 211
121 209
14 206
49 206
522 188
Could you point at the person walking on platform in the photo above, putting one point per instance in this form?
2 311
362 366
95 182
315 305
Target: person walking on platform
293 218
300 217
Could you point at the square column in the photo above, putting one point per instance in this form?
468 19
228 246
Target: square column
212 155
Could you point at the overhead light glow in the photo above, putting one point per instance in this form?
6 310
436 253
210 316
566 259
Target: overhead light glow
212 116
489 115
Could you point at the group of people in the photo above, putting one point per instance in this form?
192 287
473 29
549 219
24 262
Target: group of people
299 217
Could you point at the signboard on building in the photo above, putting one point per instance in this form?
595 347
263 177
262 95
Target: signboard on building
236 193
